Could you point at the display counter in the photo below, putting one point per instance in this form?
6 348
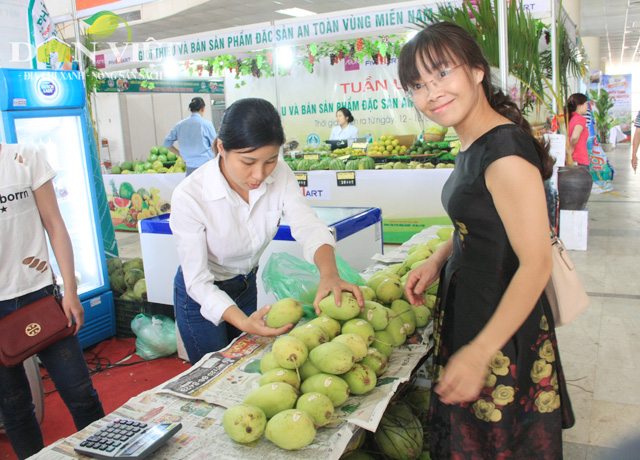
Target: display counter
409 198
358 234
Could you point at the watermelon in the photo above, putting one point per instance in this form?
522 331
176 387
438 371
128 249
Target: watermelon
399 434
303 165
367 163
336 165
352 165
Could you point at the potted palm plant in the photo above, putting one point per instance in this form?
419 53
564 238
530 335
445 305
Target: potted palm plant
603 119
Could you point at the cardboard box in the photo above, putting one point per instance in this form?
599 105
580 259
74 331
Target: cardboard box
574 229
406 139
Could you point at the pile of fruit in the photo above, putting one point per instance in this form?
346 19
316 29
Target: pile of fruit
127 279
415 165
329 163
128 206
317 366
157 161
386 145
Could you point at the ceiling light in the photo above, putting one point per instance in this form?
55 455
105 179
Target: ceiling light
296 12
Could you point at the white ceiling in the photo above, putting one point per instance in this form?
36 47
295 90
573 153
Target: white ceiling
617 22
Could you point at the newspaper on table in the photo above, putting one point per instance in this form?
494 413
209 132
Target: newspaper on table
226 377
198 398
401 252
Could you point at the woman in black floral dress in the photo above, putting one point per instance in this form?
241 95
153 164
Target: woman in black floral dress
499 390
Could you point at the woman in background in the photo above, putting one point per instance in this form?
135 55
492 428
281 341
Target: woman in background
575 111
344 129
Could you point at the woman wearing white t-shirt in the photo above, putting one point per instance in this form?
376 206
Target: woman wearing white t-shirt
224 215
344 129
28 208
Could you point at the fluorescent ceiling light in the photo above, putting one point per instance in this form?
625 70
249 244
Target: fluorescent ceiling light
296 12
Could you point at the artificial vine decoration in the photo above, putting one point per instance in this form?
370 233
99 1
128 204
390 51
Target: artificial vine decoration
259 64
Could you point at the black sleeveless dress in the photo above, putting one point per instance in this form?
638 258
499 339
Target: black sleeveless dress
524 405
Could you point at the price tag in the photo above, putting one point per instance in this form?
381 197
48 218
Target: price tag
311 156
359 145
344 157
346 178
302 179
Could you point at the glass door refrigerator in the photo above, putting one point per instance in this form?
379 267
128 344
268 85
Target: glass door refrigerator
47 108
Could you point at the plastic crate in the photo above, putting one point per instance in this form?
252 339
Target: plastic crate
126 310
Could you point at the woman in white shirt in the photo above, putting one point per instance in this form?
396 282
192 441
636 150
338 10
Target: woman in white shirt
344 129
224 215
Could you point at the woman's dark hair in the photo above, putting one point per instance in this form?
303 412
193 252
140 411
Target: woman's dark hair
347 114
443 44
249 124
573 102
197 104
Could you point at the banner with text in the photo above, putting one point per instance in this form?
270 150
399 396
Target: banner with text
619 89
334 26
308 101
133 85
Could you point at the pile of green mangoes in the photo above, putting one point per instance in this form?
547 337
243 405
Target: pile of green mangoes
316 367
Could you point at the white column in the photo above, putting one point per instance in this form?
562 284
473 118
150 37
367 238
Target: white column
592 48
572 8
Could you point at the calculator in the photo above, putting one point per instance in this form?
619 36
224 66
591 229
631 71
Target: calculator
127 439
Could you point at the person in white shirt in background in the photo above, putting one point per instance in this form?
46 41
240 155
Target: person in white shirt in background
223 217
344 129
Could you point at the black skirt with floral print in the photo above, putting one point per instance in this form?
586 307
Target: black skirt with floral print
524 404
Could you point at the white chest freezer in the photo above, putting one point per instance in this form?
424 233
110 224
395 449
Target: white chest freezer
358 234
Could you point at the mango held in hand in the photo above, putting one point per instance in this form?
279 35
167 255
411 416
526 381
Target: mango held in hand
244 422
291 429
273 398
290 352
332 358
283 312
347 310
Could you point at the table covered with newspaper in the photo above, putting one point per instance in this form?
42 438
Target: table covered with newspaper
198 397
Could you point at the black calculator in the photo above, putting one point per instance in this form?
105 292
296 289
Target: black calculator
125 438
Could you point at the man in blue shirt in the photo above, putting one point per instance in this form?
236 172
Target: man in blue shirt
195 136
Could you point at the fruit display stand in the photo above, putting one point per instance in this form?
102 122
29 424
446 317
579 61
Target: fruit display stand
132 197
358 233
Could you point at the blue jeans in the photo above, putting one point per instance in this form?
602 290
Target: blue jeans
199 335
65 363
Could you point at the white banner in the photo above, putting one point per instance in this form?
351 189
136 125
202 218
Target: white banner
364 22
308 101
